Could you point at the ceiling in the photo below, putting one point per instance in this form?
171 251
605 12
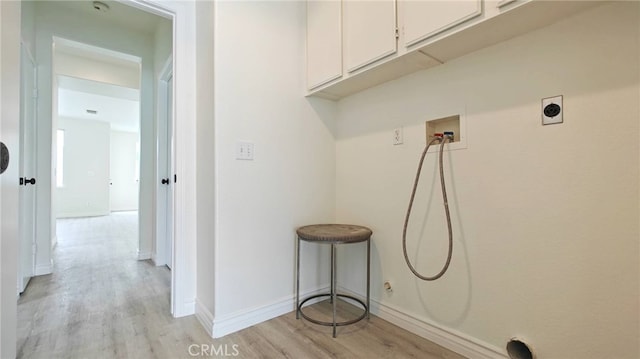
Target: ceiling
118 13
120 106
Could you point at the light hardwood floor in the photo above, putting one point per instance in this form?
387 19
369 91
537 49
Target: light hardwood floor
101 302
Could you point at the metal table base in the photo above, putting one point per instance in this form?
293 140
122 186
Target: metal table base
333 294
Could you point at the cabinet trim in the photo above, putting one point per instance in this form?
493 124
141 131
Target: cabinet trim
448 26
312 87
505 2
371 61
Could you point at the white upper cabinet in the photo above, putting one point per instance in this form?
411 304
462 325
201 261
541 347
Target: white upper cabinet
353 45
324 42
369 31
426 18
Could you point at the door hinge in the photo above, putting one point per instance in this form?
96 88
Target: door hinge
397 33
175 178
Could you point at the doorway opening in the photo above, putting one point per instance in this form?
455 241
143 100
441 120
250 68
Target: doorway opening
102 74
97 125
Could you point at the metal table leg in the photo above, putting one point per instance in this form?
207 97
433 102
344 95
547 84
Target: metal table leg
298 280
333 286
368 276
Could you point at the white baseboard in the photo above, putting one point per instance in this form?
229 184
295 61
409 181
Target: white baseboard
204 317
227 324
44 269
446 337
449 338
144 255
220 326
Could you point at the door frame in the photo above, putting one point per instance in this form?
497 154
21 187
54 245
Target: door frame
183 273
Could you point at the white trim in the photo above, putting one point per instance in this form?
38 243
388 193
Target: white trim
451 339
43 269
184 309
230 323
234 322
143 255
204 317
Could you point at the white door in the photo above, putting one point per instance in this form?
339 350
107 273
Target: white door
426 18
369 32
324 42
171 174
124 170
27 196
165 174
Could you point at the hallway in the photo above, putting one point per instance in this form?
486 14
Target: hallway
100 300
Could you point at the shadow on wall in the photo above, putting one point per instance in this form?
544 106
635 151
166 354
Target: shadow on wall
326 110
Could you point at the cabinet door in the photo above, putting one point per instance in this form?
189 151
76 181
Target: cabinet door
324 41
426 18
369 31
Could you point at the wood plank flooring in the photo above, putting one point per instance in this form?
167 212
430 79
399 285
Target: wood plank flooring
101 302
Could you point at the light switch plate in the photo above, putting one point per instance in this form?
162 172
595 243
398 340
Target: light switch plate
244 151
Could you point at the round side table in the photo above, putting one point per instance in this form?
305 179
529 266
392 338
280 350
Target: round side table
333 234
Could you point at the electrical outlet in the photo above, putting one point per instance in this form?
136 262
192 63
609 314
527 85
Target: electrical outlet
552 110
397 136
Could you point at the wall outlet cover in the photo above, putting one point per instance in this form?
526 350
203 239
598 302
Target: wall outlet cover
397 136
552 110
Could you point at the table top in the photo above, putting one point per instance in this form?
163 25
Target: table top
334 233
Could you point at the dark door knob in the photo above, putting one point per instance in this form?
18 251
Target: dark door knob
28 181
165 181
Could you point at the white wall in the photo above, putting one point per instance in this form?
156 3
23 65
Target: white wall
28 26
100 71
123 173
85 190
257 205
545 219
50 21
163 44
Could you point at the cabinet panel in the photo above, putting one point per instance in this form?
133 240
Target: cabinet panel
369 31
426 18
324 41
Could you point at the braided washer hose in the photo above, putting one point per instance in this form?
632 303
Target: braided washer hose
446 210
